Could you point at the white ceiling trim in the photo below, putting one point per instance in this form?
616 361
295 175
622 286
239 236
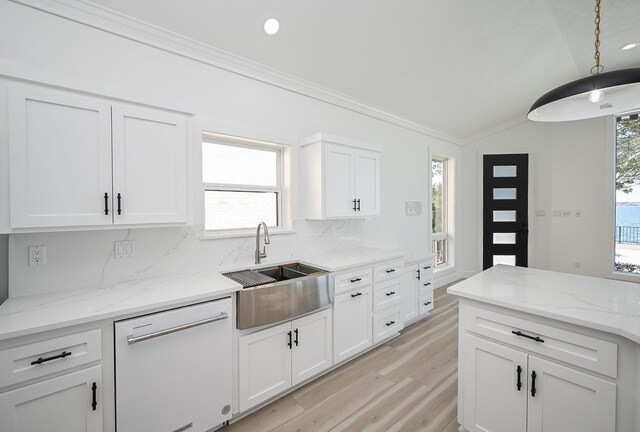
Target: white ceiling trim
118 24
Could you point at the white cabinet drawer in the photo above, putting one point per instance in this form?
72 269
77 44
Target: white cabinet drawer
26 362
426 287
426 304
426 268
387 323
388 270
353 279
577 349
386 294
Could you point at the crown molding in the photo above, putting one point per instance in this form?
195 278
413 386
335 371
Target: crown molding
494 130
92 15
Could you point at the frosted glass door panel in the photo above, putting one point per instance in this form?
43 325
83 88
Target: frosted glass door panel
504 259
504 216
504 193
504 238
505 171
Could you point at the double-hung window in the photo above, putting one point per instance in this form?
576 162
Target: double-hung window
243 184
440 209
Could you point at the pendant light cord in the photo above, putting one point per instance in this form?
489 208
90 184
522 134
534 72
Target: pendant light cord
598 68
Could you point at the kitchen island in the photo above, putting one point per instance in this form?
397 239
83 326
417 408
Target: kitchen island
544 351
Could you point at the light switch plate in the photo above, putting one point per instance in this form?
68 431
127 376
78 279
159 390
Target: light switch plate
413 208
125 249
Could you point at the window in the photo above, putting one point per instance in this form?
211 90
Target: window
243 184
441 207
627 212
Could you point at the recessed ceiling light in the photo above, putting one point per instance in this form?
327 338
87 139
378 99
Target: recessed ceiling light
630 46
271 26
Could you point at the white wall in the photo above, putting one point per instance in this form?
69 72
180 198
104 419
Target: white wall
85 259
570 168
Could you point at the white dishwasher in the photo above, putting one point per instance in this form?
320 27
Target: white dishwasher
173 369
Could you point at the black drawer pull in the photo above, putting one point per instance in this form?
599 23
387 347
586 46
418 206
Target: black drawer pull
390 293
427 267
358 201
290 341
391 270
390 323
427 303
354 205
356 280
94 389
519 384
535 338
106 203
295 341
427 284
533 384
356 294
418 274
63 354
119 207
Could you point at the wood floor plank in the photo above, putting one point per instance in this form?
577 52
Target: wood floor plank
438 367
423 331
453 426
268 418
326 386
332 411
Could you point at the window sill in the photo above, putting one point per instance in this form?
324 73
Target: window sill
238 234
624 276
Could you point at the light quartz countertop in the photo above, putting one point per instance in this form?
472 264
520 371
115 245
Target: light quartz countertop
601 304
24 315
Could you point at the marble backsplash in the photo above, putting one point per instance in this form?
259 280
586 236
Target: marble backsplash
86 259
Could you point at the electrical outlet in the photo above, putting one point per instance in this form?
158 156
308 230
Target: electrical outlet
557 213
37 255
334 232
577 264
578 213
125 249
540 212
566 213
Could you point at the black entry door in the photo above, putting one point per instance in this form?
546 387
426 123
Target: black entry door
505 209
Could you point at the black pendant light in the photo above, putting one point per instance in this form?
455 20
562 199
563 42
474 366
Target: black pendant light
598 95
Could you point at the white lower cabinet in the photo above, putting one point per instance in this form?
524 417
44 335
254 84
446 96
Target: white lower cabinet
507 390
352 323
68 403
417 290
275 359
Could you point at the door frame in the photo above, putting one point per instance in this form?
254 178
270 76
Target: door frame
531 242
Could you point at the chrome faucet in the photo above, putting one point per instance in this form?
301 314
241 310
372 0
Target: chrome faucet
262 254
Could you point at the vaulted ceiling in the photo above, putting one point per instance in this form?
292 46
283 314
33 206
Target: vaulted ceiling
458 66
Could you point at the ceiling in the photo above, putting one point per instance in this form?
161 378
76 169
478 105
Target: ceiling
461 67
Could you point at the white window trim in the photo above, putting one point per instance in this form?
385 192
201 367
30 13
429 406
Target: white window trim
447 213
284 175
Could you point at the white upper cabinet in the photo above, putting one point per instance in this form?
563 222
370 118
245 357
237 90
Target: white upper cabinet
149 165
78 160
60 158
339 177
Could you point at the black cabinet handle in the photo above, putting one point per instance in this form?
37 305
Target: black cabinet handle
354 205
390 293
390 270
94 389
427 303
289 343
358 201
356 280
390 323
119 207
296 339
418 274
535 338
519 384
427 267
427 284
356 294
63 354
533 384
106 203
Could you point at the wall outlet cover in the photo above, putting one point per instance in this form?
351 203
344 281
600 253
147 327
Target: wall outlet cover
124 249
37 255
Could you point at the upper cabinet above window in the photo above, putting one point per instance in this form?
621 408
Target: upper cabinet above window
78 160
340 178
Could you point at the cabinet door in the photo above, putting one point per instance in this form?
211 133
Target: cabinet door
60 152
339 181
367 177
265 365
312 351
62 404
492 400
149 165
410 294
569 401
352 322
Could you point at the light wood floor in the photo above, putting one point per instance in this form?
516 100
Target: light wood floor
406 384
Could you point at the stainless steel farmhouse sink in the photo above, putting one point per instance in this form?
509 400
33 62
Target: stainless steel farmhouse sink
279 293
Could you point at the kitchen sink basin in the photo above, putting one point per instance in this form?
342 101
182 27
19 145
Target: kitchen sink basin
279 293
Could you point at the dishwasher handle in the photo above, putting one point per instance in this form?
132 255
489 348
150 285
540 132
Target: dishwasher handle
131 339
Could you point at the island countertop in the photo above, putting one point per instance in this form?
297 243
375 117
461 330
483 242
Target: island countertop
601 304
